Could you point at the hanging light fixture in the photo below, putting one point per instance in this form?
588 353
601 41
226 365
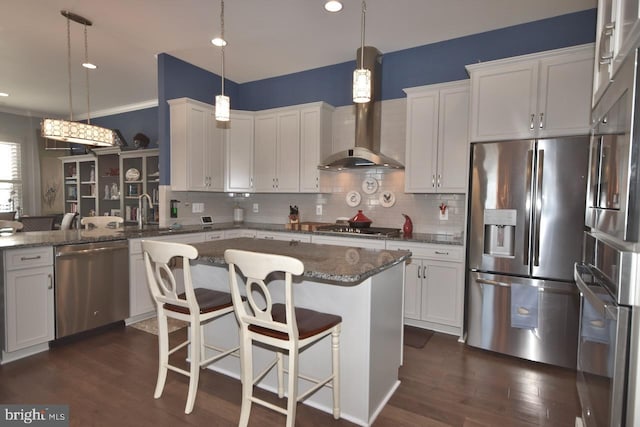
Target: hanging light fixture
362 76
222 101
68 130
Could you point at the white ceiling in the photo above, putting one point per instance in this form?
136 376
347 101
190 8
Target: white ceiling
266 38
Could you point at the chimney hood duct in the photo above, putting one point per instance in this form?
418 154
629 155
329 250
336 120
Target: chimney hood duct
366 152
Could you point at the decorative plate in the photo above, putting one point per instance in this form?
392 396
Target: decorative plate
387 199
353 198
370 185
132 174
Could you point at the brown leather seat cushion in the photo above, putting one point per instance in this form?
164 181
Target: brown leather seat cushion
208 300
310 322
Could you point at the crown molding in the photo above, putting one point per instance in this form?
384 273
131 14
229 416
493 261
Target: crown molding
119 110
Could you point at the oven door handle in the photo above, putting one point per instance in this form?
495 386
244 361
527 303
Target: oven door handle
607 311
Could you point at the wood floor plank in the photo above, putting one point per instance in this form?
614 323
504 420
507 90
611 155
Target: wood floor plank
108 379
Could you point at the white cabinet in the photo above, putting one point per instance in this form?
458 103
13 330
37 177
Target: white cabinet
28 299
348 241
279 235
315 144
437 139
532 96
617 34
434 286
196 147
239 153
277 151
141 303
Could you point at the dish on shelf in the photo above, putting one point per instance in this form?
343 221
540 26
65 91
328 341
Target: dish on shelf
132 174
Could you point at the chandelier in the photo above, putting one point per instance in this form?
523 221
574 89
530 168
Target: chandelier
70 130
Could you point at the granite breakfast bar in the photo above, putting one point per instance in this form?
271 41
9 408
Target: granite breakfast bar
364 286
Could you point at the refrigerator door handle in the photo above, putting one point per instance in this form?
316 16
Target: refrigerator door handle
538 209
492 282
529 173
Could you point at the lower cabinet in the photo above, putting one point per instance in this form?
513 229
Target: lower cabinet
239 232
434 286
29 318
279 235
141 303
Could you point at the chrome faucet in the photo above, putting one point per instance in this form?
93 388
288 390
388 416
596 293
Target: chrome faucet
140 210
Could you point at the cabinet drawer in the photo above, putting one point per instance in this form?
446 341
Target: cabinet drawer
27 258
213 235
429 251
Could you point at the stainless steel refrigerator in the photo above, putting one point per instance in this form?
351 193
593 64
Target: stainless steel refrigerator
525 231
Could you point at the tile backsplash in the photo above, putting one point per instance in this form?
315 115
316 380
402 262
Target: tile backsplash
274 207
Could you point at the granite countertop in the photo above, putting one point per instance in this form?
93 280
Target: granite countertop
68 237
340 264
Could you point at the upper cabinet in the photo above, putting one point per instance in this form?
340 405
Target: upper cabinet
617 34
315 143
197 156
437 139
238 150
532 96
277 151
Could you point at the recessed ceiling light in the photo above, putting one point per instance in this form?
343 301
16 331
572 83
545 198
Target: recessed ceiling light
4 94
333 6
219 41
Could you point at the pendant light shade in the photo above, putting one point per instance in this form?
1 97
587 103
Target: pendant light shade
69 130
362 76
223 103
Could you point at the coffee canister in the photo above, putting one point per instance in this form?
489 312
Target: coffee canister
238 215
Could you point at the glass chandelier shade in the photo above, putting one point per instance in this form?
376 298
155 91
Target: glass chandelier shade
69 130
223 103
362 76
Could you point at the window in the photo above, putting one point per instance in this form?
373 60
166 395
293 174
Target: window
10 177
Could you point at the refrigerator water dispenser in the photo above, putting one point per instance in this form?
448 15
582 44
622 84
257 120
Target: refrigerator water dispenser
500 232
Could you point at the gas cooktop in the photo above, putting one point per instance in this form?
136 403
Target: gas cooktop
370 231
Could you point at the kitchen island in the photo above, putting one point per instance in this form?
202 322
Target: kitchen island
364 286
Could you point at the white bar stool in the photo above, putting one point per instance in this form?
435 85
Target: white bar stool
101 221
196 306
282 326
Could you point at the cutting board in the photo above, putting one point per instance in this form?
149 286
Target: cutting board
306 225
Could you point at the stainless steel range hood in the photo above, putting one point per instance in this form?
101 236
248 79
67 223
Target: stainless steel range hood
366 152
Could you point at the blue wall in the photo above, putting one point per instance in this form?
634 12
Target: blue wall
140 121
429 64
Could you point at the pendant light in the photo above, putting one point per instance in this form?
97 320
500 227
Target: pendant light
362 76
222 101
69 130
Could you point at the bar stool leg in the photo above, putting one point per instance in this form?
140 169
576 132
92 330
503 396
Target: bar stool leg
246 361
194 365
280 365
292 386
163 354
335 360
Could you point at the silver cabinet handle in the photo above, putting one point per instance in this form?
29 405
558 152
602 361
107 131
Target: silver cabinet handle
418 272
439 177
441 253
533 116
433 181
29 258
607 32
424 271
50 278
541 122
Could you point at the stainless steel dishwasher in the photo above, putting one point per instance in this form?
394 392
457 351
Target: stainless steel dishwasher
91 285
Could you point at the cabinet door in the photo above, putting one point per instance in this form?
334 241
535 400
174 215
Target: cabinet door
602 68
503 101
413 289
140 298
264 166
315 145
564 95
239 153
422 140
442 292
453 140
288 154
29 307
197 146
627 31
215 154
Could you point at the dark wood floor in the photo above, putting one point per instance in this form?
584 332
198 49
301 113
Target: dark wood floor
108 380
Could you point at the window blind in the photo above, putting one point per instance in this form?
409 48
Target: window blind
10 176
